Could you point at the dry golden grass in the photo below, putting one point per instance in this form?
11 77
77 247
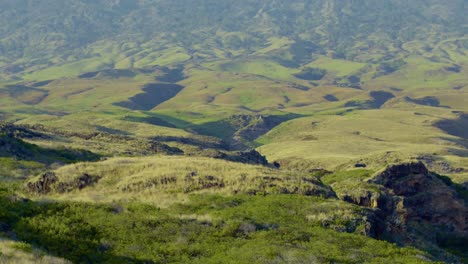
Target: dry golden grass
163 180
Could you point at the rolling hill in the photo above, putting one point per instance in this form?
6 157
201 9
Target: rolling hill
185 131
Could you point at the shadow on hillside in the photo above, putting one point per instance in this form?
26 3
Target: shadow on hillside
458 152
246 127
458 141
455 127
154 95
172 75
151 120
12 147
25 94
109 73
427 101
379 98
197 142
109 130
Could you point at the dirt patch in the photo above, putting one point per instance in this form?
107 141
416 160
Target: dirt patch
154 95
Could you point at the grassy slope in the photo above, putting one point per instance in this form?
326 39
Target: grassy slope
204 226
123 178
224 80
375 137
216 90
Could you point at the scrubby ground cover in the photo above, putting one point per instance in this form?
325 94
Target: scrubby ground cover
131 142
206 229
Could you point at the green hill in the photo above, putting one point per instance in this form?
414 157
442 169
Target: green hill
85 36
186 131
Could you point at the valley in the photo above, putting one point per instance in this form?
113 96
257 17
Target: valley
233 132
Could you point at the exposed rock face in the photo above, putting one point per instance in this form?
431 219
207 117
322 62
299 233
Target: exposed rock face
418 208
412 206
308 186
248 157
422 196
79 183
370 199
49 182
397 172
252 157
157 147
44 184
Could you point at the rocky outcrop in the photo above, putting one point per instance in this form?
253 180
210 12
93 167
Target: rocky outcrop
49 182
251 157
413 207
44 184
247 157
423 196
369 199
79 183
157 147
310 186
398 172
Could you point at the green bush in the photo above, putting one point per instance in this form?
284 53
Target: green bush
207 229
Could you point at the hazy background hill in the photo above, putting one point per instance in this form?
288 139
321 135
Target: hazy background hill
52 32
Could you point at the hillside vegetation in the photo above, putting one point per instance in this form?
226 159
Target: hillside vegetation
204 131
